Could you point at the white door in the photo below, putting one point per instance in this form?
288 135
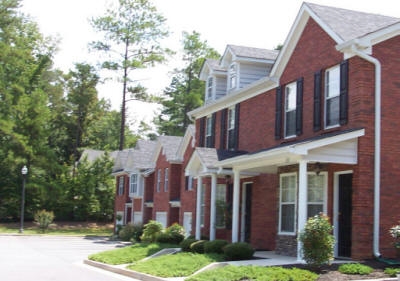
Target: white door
161 217
187 223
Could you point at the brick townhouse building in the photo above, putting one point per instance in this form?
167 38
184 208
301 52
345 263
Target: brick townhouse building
285 135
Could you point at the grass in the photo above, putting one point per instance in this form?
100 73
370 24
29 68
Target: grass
61 228
129 254
177 265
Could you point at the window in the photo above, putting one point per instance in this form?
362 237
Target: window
121 185
133 189
166 179
287 204
316 191
203 205
332 96
188 183
210 83
232 77
231 128
221 205
290 110
158 180
209 131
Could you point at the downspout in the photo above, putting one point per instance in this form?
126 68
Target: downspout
377 160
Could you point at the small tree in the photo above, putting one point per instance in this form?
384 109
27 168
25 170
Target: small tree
151 230
44 219
317 241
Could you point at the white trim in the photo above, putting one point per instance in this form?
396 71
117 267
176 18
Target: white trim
336 206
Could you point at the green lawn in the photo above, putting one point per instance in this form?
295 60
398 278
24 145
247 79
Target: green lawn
61 228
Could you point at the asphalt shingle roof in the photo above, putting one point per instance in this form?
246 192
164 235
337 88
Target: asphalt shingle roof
251 52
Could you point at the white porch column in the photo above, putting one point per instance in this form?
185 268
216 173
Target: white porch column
302 205
198 207
235 206
213 209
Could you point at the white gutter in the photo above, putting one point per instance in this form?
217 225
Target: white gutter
377 160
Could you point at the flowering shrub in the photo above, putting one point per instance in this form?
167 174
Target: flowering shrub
395 232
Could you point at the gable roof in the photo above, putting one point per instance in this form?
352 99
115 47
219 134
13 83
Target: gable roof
251 52
168 146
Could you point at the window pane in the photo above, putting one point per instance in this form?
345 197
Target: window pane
332 111
314 209
290 102
287 218
290 129
332 82
220 205
316 188
288 189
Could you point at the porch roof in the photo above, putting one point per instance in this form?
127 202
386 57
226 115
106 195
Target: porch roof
337 147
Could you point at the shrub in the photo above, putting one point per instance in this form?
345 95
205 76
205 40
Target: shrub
150 231
176 233
44 219
215 246
238 251
392 271
185 244
317 241
131 232
198 246
355 268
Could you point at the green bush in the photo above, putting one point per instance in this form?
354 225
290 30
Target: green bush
44 219
185 244
131 232
198 246
176 233
392 271
317 240
215 246
355 268
150 231
238 251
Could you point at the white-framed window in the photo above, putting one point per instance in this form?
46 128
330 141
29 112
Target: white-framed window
209 131
230 140
188 183
290 109
203 205
221 206
121 181
158 180
133 187
332 96
316 193
210 86
166 179
232 76
287 203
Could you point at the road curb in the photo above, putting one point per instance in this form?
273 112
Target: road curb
124 271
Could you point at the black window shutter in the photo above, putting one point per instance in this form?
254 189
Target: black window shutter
344 82
317 100
299 106
237 117
201 131
278 113
213 120
223 129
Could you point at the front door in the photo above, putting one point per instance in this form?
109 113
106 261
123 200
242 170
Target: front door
344 215
246 212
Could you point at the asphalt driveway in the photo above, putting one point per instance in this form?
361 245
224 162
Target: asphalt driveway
45 258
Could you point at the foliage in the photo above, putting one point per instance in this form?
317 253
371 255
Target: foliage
131 232
238 251
151 230
392 272
198 246
395 233
174 234
129 254
178 265
215 246
256 273
132 31
317 240
355 268
186 243
44 219
185 91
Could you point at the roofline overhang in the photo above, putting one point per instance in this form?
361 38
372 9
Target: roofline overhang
252 90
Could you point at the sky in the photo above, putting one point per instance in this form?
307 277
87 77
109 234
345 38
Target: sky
252 23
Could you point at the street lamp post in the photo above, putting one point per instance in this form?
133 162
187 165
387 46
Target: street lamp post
24 172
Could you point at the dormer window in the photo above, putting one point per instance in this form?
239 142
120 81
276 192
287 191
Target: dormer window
232 76
210 83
